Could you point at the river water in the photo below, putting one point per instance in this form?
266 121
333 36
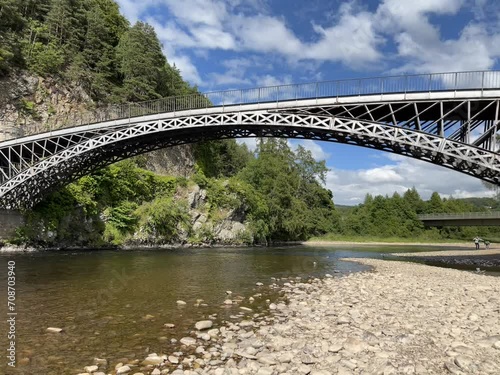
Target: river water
114 304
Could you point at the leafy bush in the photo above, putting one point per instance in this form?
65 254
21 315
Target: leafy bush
163 218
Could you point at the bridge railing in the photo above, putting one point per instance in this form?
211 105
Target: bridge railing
482 80
464 215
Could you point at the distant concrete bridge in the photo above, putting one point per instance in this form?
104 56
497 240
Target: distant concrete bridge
448 119
465 219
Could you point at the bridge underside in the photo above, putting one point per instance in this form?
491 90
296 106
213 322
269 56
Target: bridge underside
471 121
457 134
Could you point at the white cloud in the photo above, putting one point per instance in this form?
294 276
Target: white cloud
133 10
355 36
471 51
228 79
352 40
236 72
209 24
187 68
170 33
351 186
421 45
385 174
203 36
213 37
265 34
269 80
198 12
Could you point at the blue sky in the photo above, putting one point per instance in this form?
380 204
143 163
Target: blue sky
225 44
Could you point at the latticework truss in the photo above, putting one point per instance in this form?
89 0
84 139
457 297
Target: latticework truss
458 134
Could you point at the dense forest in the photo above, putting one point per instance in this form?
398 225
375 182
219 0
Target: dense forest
277 193
90 43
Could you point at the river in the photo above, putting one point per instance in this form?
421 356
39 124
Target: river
114 304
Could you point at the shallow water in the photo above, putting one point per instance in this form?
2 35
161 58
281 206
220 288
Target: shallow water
102 298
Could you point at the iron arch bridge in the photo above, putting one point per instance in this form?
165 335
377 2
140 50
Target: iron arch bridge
448 119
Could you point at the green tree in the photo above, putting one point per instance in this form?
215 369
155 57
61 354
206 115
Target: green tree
11 24
141 63
66 23
95 66
289 182
435 204
222 158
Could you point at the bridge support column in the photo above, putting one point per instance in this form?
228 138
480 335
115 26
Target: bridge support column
9 222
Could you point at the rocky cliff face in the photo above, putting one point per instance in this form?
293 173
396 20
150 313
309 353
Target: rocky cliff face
223 227
206 227
175 161
32 104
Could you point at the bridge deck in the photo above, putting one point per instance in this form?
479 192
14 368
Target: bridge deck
431 112
462 219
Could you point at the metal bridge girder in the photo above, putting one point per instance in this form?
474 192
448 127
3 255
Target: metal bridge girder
28 177
449 119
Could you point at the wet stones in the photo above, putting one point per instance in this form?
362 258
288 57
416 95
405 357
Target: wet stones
152 359
100 361
203 324
401 319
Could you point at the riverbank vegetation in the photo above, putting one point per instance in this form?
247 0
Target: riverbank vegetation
276 195
395 219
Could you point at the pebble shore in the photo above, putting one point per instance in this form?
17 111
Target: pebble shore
400 318
488 259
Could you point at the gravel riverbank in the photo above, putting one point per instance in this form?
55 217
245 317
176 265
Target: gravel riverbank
402 318
476 258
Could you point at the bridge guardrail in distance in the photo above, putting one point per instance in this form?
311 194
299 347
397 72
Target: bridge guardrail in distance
464 215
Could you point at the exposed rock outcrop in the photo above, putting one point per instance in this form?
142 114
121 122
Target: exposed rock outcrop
205 226
32 104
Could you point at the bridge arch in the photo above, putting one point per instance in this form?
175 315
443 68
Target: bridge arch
448 119
60 157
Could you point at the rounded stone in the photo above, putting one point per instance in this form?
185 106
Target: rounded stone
188 341
203 324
